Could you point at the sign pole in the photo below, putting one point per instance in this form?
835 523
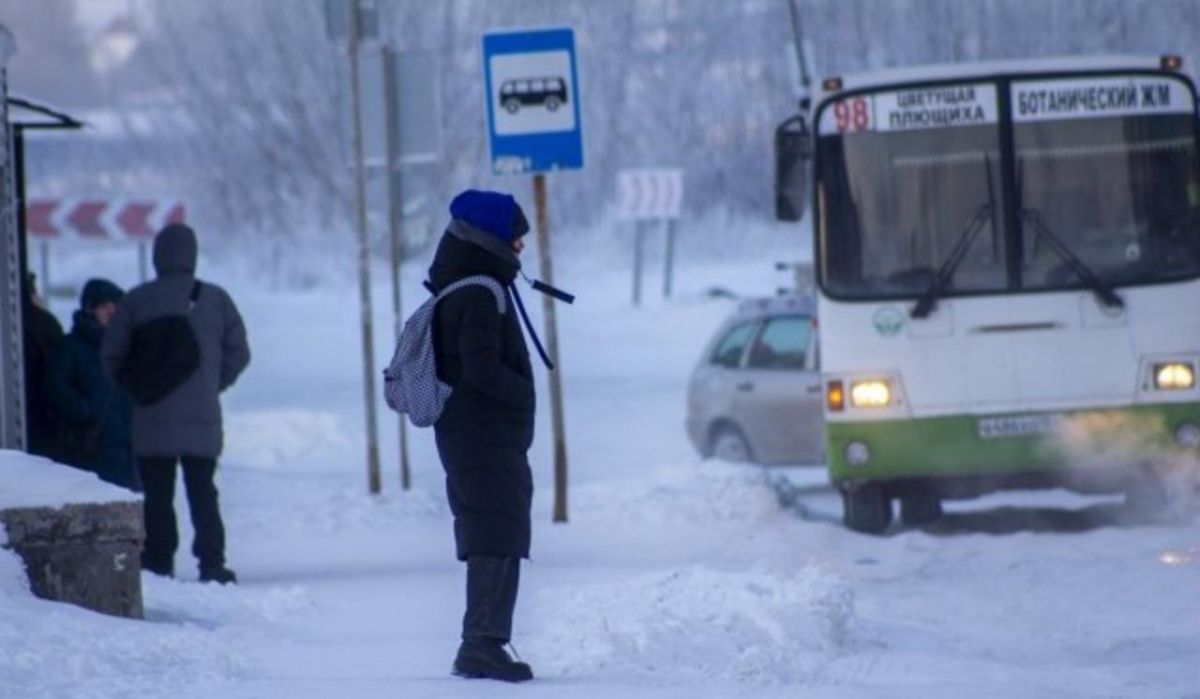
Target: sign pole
364 261
44 249
669 265
142 263
395 222
638 236
548 312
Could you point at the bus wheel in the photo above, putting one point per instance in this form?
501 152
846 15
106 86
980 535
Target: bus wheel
866 509
552 103
918 510
512 105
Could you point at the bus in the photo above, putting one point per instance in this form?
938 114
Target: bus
1008 268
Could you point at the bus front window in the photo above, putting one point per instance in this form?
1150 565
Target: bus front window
1109 165
901 174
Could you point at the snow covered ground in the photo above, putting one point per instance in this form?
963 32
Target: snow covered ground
675 577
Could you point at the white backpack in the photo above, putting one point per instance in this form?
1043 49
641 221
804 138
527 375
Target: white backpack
410 383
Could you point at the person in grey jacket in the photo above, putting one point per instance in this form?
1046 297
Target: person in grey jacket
184 426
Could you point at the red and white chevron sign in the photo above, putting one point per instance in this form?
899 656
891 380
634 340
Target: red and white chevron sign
649 193
100 218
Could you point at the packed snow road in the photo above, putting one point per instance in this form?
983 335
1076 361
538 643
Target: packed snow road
674 578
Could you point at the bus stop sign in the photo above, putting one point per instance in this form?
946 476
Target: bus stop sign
531 89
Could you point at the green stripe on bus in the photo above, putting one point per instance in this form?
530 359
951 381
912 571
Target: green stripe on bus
952 446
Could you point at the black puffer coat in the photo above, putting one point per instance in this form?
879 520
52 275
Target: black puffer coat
486 428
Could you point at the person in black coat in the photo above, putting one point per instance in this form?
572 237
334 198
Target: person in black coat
94 424
42 333
486 427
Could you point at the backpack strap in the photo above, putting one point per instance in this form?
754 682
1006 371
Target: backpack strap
194 295
479 280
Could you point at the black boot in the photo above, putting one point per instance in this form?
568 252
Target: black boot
218 574
159 568
487 658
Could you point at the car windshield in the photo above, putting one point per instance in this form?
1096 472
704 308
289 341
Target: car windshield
901 176
1106 165
1121 192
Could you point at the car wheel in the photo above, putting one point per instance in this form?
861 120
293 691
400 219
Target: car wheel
512 106
919 510
866 509
729 444
552 103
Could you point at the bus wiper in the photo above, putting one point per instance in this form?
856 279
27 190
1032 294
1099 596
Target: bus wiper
1103 291
928 300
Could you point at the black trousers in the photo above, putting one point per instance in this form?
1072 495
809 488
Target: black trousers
162 536
491 597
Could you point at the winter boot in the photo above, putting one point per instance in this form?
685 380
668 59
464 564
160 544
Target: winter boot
218 574
159 568
487 658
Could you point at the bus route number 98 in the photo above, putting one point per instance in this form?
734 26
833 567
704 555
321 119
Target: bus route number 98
852 115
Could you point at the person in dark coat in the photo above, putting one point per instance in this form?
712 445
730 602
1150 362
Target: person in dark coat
486 427
42 333
94 413
185 426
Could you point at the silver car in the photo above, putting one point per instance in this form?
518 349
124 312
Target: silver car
755 396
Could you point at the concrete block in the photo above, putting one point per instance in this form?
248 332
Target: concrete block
85 554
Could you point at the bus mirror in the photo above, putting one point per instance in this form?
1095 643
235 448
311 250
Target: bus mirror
793 154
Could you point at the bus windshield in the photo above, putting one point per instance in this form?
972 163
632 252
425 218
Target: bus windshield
1106 165
1120 190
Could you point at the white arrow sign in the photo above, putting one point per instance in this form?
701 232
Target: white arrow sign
649 193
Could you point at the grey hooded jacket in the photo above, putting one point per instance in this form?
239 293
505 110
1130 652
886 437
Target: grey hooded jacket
188 421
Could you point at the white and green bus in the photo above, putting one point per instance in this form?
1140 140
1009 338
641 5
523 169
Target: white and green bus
1008 279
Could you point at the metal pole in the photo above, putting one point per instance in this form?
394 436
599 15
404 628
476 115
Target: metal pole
637 263
556 400
143 262
364 261
669 265
798 37
395 222
44 252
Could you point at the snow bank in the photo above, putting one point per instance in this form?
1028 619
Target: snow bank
31 481
709 491
57 650
757 627
287 439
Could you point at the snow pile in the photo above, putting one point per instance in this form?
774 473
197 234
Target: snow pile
225 607
710 491
285 439
756 627
58 650
32 481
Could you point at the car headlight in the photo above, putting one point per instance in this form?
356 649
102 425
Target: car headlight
1174 376
870 394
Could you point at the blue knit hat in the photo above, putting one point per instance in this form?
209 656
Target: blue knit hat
492 212
97 292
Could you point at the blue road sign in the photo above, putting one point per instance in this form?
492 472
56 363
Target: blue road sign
532 94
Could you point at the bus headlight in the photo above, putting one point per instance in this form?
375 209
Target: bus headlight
870 394
1174 376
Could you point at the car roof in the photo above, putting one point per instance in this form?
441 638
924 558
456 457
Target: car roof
787 304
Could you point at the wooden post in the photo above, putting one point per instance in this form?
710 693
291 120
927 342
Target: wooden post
395 222
548 312
364 261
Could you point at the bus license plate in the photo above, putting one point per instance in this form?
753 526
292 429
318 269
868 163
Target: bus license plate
1016 426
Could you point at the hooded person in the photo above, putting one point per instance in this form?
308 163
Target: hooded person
185 426
486 428
94 413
